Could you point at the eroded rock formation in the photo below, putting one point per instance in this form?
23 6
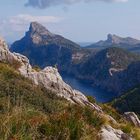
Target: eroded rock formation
132 117
109 133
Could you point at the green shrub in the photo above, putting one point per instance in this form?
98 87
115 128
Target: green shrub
91 99
127 128
37 68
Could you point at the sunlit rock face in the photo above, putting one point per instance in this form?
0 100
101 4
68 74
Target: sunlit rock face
109 133
132 117
7 56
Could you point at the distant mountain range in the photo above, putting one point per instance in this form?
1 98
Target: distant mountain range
128 43
84 44
108 68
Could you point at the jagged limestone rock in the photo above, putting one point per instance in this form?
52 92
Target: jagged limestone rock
132 117
109 133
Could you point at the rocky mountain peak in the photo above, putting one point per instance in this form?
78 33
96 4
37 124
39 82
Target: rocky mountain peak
40 41
38 34
37 28
113 38
3 44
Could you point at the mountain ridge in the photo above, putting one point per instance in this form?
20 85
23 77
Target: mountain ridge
39 35
113 40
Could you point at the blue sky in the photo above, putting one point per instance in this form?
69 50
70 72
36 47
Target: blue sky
77 20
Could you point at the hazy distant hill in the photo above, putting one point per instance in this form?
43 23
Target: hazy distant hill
128 43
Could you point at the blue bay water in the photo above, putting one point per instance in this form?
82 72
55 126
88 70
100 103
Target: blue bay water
100 95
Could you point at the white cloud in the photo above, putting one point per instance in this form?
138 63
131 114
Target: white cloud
47 3
24 19
17 25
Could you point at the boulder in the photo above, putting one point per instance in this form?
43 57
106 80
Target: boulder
132 117
109 133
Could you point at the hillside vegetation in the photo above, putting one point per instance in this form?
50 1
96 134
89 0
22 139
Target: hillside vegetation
31 112
130 101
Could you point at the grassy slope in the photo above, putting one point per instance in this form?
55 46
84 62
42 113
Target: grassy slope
28 111
31 112
130 101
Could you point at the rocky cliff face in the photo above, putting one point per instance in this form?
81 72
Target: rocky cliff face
109 133
7 56
132 117
51 80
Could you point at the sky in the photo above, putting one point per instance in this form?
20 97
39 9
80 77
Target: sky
77 20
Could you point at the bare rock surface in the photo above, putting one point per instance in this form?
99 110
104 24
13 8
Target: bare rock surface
51 79
132 117
109 133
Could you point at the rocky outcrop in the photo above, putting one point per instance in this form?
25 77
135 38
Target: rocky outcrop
51 79
7 56
48 77
132 117
109 133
